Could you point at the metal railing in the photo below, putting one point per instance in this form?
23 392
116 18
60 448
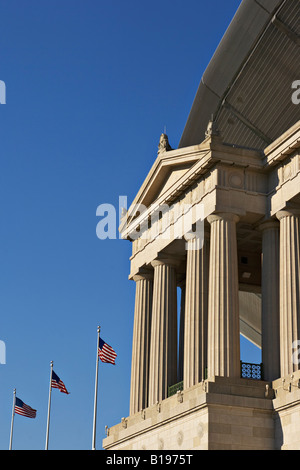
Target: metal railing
173 389
248 371
251 371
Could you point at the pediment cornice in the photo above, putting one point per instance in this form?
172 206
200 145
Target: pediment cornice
158 186
283 147
187 165
165 164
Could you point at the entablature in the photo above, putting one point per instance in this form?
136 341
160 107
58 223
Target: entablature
282 161
211 177
190 165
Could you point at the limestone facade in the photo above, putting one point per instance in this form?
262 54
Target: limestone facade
244 209
219 414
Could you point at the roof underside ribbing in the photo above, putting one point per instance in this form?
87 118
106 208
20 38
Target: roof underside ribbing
247 86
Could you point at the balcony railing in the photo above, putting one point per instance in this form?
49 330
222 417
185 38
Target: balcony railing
173 389
248 371
251 371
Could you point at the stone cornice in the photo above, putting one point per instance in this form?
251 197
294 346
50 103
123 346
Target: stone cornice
201 159
282 147
219 178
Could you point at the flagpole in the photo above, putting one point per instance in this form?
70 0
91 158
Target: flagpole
49 405
96 393
12 419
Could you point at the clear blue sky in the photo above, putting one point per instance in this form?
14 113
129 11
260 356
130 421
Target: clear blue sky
90 86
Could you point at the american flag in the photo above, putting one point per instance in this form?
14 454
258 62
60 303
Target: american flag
57 383
106 352
22 409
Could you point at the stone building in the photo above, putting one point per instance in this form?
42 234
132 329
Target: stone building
235 254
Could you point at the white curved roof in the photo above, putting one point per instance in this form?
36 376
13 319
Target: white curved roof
247 85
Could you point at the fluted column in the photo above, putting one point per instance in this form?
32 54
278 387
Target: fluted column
223 303
289 290
182 286
141 343
270 300
163 349
195 339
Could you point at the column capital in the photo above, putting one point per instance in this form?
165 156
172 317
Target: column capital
173 262
196 241
290 212
142 276
269 224
231 216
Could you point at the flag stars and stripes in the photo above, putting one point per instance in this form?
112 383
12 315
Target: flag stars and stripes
25 410
106 352
56 382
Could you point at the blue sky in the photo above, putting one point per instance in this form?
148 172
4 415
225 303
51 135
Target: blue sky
90 86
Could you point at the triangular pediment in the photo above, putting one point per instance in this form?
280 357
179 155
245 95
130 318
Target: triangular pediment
172 172
168 169
166 178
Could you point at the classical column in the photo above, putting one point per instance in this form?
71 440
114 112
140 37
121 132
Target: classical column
182 286
163 349
223 302
289 290
195 339
141 343
270 300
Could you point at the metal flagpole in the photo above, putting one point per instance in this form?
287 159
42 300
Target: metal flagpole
49 405
12 420
96 393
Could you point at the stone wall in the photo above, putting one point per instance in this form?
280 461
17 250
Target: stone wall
220 413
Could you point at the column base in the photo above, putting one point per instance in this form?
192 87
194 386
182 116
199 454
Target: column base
216 414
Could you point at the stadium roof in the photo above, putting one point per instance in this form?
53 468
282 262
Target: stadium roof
247 85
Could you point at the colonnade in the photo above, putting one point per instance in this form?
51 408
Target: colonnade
210 338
